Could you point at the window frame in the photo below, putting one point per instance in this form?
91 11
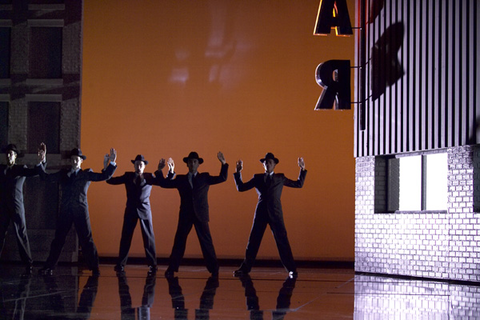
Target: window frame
384 203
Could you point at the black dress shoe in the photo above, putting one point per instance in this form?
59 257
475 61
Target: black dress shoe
119 268
240 272
152 270
46 271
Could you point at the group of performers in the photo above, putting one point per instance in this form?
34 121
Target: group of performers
194 210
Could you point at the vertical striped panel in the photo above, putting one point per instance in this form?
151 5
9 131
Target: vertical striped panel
400 120
470 52
476 68
423 68
435 72
442 71
435 102
370 123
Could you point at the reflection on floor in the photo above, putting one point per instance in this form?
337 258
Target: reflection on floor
266 294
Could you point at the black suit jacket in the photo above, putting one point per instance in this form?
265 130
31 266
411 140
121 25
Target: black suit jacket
74 187
269 195
11 186
138 195
193 200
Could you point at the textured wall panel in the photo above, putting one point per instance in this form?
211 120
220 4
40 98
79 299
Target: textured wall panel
418 83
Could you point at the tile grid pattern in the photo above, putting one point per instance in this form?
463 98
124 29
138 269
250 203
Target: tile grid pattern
423 244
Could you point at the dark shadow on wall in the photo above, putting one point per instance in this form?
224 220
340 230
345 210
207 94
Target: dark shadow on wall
386 69
474 133
375 8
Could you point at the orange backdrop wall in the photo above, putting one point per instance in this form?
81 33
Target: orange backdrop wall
163 78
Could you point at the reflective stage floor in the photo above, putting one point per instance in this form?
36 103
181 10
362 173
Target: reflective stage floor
267 294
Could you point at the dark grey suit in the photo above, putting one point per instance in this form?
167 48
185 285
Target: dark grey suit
193 212
74 210
138 208
12 208
269 212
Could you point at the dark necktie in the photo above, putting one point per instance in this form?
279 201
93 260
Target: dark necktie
268 180
190 179
138 179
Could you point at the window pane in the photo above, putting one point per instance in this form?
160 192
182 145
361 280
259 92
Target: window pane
4 53
3 124
45 53
393 190
43 126
410 183
436 181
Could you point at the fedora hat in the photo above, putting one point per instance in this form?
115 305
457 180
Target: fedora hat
193 155
140 157
12 147
269 155
77 152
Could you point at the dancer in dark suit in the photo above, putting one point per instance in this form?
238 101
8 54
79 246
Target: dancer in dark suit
74 184
12 177
193 189
138 185
269 211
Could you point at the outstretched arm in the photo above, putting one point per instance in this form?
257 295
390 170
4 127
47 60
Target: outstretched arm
223 171
221 157
110 158
238 179
117 180
160 180
42 166
37 170
109 167
239 166
301 177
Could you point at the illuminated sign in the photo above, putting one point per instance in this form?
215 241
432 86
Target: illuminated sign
334 77
333 14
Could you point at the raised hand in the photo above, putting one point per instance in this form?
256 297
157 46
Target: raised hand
161 164
113 155
106 161
171 165
301 163
239 165
221 157
42 153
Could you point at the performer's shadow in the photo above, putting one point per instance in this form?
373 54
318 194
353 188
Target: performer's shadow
14 308
206 299
283 299
127 311
58 301
87 298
